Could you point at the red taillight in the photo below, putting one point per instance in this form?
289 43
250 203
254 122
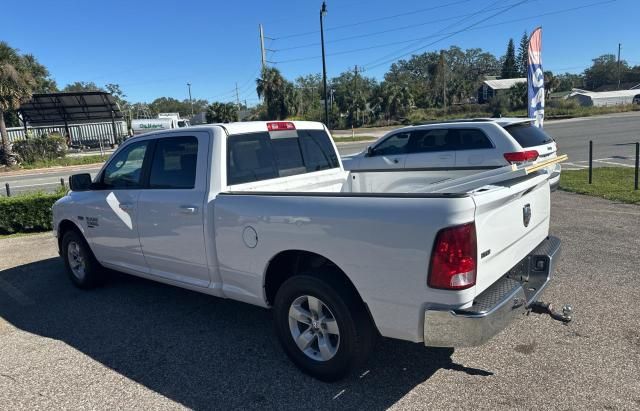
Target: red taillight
280 126
521 156
453 260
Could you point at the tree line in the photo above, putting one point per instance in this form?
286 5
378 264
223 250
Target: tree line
431 80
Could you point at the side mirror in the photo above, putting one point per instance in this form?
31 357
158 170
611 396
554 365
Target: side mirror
369 151
80 182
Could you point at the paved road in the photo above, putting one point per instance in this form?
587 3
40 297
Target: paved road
45 181
135 344
610 135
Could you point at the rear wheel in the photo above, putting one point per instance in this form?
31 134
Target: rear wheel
82 267
322 326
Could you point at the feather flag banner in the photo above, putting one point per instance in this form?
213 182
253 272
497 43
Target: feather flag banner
535 78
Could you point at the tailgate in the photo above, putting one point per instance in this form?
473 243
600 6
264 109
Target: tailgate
510 222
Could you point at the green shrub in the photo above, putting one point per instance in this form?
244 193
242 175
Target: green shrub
27 213
517 96
499 105
564 104
45 148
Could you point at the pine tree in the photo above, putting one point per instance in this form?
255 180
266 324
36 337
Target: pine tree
522 61
509 69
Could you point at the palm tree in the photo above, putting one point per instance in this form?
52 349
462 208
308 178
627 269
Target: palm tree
16 85
398 99
222 113
272 87
291 98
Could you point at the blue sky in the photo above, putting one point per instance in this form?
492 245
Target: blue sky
153 48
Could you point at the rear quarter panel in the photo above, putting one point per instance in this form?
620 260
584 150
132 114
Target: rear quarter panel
383 244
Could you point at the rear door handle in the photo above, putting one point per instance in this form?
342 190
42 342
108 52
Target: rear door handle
126 206
395 160
188 209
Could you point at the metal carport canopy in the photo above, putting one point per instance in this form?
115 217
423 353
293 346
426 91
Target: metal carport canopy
65 108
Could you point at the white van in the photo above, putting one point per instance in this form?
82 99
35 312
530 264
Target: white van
141 126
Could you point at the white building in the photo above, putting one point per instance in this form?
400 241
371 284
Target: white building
493 87
605 98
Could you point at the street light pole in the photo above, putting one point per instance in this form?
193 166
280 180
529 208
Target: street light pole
190 100
323 12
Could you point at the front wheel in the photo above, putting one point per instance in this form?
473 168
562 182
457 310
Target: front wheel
82 267
322 327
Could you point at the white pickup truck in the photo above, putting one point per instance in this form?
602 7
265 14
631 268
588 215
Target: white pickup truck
263 212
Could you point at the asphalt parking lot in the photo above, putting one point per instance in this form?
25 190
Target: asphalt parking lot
136 344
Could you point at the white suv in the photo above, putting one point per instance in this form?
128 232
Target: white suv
475 143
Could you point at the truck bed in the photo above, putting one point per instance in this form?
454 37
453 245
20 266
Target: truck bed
383 227
378 182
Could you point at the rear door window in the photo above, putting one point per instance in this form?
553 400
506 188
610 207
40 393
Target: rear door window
174 163
426 141
528 135
471 139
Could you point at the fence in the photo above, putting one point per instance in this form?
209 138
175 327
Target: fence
88 134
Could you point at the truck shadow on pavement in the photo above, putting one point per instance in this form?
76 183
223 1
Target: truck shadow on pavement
200 351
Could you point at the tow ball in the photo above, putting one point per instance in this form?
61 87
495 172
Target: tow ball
540 307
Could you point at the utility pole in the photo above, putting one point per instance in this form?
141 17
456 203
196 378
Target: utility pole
619 47
237 97
323 12
262 51
190 100
355 93
444 81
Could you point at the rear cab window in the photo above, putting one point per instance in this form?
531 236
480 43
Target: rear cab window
528 135
264 155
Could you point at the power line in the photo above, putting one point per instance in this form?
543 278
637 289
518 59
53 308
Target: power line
308 33
446 36
413 40
465 18
380 32
470 27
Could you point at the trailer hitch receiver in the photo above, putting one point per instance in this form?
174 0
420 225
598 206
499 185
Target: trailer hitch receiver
540 307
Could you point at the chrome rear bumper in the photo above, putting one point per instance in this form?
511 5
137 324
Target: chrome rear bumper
496 307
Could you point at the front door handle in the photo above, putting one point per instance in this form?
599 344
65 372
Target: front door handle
126 206
188 209
395 160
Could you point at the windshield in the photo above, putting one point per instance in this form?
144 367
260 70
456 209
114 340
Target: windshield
528 135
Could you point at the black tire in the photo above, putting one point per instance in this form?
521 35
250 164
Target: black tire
93 273
357 334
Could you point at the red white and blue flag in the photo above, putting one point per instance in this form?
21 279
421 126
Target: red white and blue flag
535 78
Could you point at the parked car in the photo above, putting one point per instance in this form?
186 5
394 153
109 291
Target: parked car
460 143
264 213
